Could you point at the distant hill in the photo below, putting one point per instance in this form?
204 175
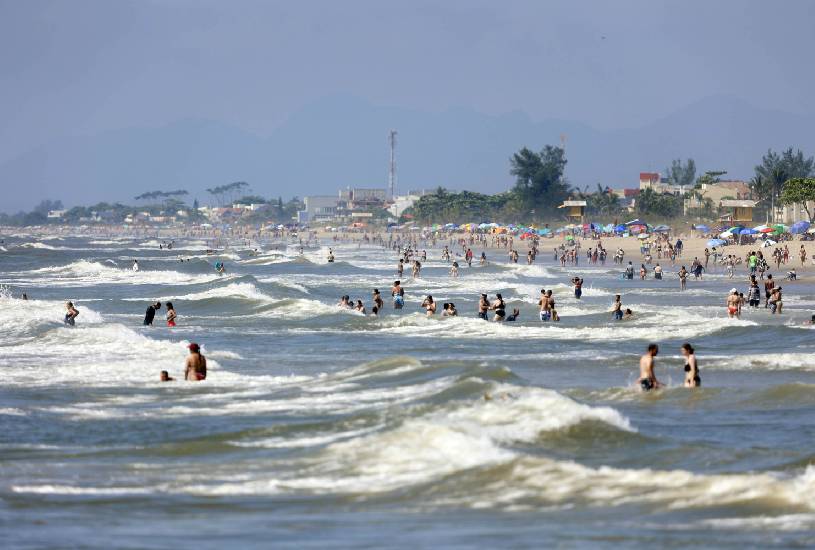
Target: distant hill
341 141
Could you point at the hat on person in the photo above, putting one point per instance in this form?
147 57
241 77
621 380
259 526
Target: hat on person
733 291
194 347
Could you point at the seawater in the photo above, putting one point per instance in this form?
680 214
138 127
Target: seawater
320 427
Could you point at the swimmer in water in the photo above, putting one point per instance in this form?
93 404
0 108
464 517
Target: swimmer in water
330 256
135 265
398 294
196 365
429 305
483 307
171 315
375 311
628 314
514 317
617 307
692 378
454 270
400 268
360 307
578 287
732 303
499 308
345 301
150 314
71 315
165 377
545 310
449 310
377 299
648 380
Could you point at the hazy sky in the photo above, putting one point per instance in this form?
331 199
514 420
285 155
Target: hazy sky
81 67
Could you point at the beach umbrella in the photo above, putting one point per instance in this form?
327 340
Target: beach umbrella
799 227
748 232
636 222
780 228
702 228
767 230
642 236
716 242
726 235
662 229
619 229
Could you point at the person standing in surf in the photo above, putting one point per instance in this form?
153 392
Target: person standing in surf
648 380
196 366
150 314
71 315
171 315
692 378
398 294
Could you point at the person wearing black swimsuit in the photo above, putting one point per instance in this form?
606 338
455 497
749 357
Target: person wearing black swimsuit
692 378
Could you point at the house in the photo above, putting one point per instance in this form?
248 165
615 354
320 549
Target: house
738 211
56 214
319 208
716 192
627 198
650 180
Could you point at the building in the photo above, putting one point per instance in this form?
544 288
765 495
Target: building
793 213
319 208
403 202
716 192
56 214
576 210
737 211
650 180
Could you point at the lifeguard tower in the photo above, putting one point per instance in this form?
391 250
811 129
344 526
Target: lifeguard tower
738 211
576 211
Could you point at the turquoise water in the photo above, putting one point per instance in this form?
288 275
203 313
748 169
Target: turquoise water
319 427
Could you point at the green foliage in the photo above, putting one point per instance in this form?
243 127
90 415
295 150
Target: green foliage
603 202
467 206
228 192
659 204
776 169
250 199
539 182
799 190
162 195
681 174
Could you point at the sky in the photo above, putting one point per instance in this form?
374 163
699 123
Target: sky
84 67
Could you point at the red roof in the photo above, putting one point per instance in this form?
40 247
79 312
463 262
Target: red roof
628 193
649 176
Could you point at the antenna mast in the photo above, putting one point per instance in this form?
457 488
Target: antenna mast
392 170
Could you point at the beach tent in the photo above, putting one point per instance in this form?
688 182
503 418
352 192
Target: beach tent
799 227
716 242
636 222
661 229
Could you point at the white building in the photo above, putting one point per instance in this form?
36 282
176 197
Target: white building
318 208
54 214
402 203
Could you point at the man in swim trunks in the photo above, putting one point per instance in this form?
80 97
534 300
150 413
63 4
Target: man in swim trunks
578 287
769 285
648 380
733 303
545 306
71 315
617 307
150 314
483 307
398 294
377 299
196 367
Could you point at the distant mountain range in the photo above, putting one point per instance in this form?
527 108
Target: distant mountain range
342 141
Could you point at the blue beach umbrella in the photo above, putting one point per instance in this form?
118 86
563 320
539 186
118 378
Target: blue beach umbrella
702 228
799 227
748 232
716 242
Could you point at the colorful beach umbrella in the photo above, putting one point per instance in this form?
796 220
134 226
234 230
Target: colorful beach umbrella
799 227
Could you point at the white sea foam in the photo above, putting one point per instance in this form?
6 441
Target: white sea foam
92 273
